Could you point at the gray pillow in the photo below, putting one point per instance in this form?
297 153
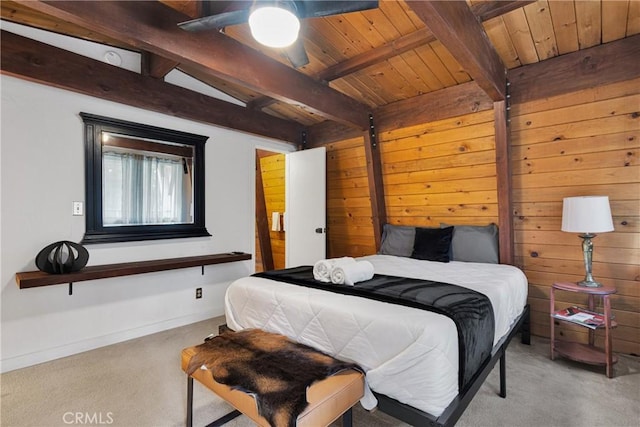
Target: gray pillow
397 240
475 243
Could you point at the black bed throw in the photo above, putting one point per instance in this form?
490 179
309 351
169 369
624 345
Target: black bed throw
471 311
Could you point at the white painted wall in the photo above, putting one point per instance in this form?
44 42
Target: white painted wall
42 173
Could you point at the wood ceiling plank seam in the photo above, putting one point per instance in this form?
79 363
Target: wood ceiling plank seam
363 81
613 13
422 72
410 74
499 36
390 77
541 27
398 16
152 27
432 60
518 28
360 90
378 21
365 29
452 65
335 39
411 81
416 62
563 17
633 22
349 33
589 20
313 33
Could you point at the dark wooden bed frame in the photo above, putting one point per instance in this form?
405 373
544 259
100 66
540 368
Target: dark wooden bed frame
454 411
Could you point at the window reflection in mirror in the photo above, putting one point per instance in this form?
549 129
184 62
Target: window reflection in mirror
145 182
142 182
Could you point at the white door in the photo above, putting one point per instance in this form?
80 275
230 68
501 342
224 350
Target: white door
305 201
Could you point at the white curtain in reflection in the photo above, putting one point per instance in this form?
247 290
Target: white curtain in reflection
140 189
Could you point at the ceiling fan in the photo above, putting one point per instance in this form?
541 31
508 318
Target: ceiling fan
275 23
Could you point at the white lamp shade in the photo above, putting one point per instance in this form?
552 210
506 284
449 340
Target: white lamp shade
586 214
274 26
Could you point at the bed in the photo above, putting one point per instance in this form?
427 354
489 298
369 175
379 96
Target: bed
410 355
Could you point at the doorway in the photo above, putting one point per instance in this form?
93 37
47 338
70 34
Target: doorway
290 208
270 208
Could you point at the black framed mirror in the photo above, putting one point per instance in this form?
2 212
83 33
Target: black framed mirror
142 182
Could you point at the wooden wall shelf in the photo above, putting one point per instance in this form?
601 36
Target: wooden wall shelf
33 279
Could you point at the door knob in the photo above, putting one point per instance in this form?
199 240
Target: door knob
320 230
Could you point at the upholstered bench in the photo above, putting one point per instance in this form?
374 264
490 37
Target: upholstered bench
328 399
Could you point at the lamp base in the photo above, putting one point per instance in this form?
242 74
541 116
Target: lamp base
590 284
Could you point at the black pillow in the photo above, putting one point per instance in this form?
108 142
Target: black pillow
432 244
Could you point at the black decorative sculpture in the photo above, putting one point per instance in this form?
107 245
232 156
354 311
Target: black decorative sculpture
62 257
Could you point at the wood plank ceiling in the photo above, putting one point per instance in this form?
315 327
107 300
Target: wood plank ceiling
360 60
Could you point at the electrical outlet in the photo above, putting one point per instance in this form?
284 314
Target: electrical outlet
198 293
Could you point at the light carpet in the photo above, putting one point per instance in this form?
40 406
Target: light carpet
139 383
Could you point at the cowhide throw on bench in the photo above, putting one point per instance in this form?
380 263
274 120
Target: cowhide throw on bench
274 368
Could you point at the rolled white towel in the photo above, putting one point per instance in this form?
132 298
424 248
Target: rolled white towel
349 274
322 269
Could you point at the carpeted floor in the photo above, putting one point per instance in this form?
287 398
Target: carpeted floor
139 383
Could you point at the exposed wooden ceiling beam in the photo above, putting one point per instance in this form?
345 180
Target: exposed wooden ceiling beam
484 11
152 26
379 54
457 28
441 104
491 9
156 66
31 60
608 63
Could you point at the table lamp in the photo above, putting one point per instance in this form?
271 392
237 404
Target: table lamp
587 215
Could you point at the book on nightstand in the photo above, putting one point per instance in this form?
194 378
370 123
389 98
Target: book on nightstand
580 316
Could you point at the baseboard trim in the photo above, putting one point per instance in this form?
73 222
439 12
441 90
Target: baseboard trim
30 359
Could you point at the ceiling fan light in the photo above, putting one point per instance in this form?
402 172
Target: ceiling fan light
274 26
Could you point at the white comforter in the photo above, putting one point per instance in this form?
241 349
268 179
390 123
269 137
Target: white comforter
410 355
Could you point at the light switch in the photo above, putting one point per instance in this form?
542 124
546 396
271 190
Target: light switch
78 208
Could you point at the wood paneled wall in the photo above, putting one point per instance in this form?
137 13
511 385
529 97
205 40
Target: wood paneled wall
442 171
272 167
582 143
349 223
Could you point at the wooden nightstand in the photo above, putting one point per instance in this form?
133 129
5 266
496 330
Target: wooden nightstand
586 353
